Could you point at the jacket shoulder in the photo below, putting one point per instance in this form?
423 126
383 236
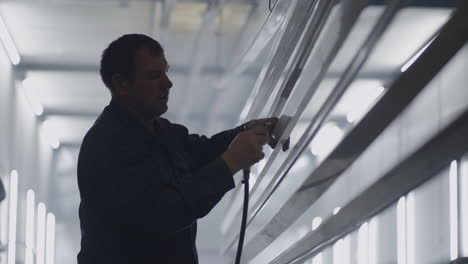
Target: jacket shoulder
177 130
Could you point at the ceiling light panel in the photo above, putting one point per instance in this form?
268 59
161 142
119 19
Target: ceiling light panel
232 18
52 29
187 17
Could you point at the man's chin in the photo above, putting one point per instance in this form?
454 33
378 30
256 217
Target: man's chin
159 112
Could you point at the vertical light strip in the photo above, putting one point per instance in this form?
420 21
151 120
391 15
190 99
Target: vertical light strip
346 250
338 255
4 217
29 256
318 259
401 230
50 239
463 206
453 210
41 226
8 43
363 244
410 229
373 241
30 208
12 217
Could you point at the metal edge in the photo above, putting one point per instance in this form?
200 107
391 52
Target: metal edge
350 19
435 155
401 93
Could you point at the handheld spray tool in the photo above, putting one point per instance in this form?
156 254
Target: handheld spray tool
276 134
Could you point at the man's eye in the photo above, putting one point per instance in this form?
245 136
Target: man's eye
155 76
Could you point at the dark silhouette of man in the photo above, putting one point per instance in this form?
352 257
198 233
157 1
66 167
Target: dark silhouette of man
143 180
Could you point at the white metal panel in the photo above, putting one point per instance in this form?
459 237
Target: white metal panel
431 221
463 207
387 236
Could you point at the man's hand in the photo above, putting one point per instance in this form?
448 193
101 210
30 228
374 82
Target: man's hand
247 148
270 123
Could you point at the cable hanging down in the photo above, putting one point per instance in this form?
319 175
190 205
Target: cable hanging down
245 181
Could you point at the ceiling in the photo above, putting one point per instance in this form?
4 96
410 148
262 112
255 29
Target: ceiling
60 43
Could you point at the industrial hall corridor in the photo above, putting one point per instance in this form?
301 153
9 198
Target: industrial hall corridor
233 131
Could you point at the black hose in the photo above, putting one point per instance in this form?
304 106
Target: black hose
244 215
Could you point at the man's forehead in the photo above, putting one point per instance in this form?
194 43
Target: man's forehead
149 60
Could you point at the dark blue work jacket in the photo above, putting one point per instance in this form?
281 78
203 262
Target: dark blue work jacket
142 193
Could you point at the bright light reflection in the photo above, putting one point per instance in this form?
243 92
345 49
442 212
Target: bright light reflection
453 210
302 232
252 180
31 92
12 219
41 229
366 99
416 56
50 134
261 164
50 239
300 164
316 222
336 210
8 44
363 244
246 109
401 230
326 139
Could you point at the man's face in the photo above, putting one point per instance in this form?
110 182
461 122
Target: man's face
149 91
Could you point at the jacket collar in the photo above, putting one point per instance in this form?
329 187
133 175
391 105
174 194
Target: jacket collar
131 122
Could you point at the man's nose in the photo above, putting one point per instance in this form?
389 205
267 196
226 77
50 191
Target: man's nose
167 81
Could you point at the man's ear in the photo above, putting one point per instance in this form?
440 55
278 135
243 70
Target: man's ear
121 85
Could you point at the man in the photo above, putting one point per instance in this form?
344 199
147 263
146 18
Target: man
143 180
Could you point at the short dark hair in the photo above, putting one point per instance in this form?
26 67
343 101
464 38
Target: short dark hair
119 56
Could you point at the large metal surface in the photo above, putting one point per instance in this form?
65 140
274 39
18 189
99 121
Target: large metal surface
346 16
276 66
401 93
317 121
448 145
73 94
338 91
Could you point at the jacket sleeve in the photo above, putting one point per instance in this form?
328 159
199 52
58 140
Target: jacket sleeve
203 149
127 186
